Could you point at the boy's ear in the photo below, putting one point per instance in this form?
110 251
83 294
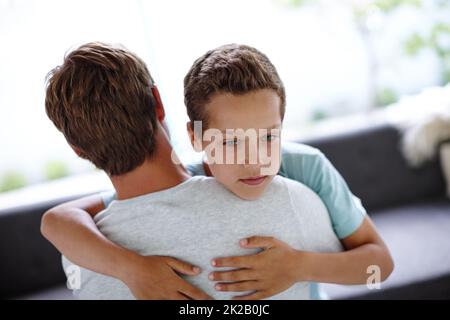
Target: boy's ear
197 145
160 113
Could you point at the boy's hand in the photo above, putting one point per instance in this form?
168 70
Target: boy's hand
155 277
267 273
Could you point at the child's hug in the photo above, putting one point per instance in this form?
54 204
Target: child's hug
256 219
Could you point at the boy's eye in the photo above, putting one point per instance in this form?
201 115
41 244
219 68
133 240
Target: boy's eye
231 142
270 137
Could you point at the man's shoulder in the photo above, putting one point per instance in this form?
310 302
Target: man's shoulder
292 187
301 197
205 183
188 191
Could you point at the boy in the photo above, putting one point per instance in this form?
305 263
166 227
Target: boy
232 103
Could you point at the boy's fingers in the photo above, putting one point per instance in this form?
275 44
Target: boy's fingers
183 267
237 286
238 262
258 242
234 275
193 292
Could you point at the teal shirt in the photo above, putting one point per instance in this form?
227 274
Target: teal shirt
309 166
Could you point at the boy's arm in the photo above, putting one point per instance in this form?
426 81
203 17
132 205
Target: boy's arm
366 254
280 266
71 229
364 246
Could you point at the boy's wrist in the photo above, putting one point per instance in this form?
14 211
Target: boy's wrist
124 262
304 264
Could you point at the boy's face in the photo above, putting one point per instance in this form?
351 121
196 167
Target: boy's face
246 155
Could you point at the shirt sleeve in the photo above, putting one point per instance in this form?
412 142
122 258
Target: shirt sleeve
310 166
108 197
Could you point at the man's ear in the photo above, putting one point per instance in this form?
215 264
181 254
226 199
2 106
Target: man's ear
76 150
195 142
160 113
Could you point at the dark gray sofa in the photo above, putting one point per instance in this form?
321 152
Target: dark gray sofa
407 205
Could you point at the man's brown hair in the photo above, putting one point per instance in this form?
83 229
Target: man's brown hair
233 68
101 99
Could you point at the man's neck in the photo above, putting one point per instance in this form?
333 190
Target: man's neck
156 173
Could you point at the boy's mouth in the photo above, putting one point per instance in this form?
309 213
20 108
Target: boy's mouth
253 181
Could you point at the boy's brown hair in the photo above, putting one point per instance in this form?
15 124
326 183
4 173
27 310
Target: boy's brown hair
232 68
101 99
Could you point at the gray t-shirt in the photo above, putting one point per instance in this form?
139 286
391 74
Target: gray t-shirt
199 219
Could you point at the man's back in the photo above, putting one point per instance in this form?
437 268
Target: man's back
199 220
